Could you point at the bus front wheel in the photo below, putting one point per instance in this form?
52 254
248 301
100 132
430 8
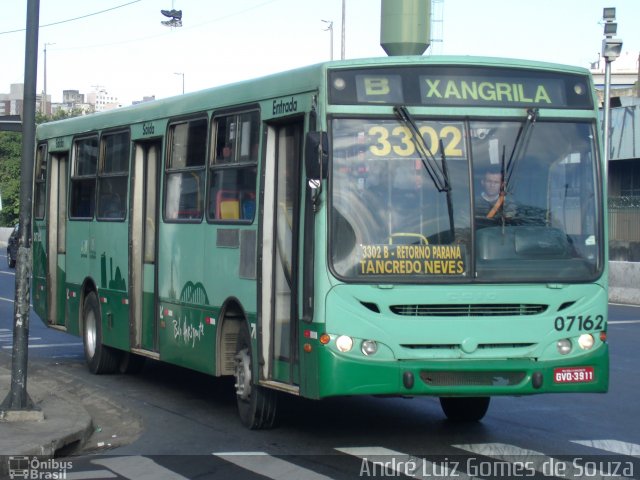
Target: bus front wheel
256 404
465 409
100 358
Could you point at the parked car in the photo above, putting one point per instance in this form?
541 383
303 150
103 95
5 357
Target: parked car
12 247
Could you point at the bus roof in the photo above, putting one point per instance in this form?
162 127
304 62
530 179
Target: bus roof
308 78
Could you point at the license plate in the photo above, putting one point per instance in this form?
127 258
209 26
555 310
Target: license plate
573 375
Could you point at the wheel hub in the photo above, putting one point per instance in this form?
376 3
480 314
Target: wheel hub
243 374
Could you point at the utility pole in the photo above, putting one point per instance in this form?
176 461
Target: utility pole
18 398
611 48
181 73
44 100
343 27
330 30
638 83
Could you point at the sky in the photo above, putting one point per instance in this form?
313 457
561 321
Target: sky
128 52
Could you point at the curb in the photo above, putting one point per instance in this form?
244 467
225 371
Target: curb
61 426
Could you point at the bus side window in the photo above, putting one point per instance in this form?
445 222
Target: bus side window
185 170
83 178
113 176
233 167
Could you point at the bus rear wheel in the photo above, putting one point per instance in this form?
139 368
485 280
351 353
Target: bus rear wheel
256 404
465 409
130 363
100 358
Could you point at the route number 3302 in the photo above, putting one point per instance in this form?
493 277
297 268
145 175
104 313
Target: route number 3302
389 140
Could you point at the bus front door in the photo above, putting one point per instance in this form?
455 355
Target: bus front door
279 306
142 244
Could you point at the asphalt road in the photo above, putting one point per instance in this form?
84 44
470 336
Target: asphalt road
184 425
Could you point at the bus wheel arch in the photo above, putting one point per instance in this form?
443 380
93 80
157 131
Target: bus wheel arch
100 358
229 321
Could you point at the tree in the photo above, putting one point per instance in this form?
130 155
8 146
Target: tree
10 156
10 153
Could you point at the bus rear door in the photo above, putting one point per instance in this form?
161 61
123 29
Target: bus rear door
142 244
56 240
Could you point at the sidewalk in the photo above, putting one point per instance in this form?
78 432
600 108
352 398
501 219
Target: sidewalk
66 424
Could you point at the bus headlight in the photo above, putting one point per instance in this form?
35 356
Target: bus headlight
369 347
344 343
564 346
586 341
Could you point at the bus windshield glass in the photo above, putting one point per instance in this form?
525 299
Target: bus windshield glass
519 202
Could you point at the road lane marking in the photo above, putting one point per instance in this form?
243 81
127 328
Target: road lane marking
614 446
138 468
624 305
268 466
10 300
403 464
49 345
4 338
8 273
616 322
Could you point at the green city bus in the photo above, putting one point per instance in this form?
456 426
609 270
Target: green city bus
321 232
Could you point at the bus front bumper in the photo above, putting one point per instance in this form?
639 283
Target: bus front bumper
343 375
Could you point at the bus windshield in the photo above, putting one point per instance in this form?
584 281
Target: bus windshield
519 204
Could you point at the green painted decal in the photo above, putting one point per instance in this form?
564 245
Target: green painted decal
116 280
194 293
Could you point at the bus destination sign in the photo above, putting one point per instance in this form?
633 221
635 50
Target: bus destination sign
458 86
412 260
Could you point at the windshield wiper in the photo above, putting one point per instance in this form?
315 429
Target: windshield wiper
439 173
520 146
445 172
439 177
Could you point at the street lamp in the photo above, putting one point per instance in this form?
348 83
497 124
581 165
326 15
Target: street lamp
44 99
611 48
181 73
330 29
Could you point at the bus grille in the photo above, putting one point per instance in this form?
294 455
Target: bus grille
492 379
469 310
454 346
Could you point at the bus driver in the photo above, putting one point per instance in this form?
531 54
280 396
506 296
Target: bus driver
490 204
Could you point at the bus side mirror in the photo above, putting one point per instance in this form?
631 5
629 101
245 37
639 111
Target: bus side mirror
316 155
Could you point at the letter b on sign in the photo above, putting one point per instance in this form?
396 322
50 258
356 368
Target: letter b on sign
377 86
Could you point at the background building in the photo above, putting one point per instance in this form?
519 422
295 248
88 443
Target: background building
101 100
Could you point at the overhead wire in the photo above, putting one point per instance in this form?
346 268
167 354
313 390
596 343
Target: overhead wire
191 27
75 18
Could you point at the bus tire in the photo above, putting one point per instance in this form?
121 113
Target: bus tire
130 363
465 409
256 404
100 358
